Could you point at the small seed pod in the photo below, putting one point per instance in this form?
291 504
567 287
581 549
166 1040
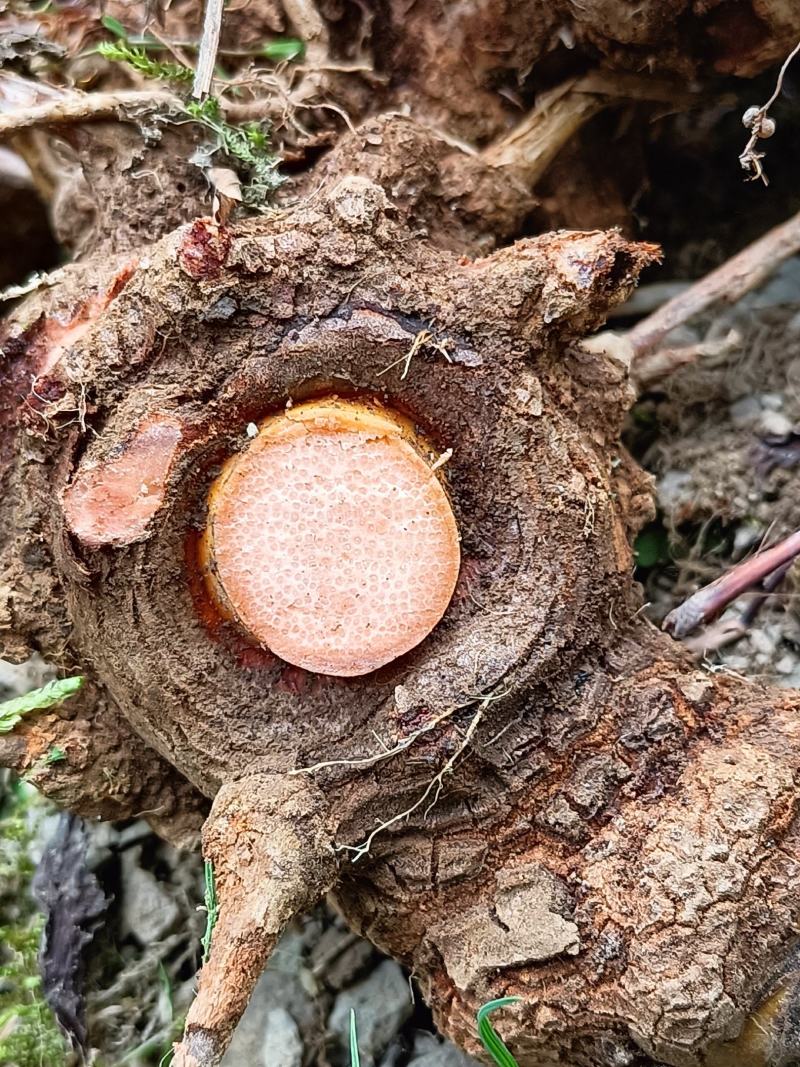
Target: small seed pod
750 117
766 127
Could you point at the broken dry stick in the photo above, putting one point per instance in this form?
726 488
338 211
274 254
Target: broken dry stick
209 45
531 146
707 603
534 143
727 284
331 539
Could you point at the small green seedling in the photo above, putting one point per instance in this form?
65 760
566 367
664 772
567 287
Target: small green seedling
137 58
246 146
490 1039
12 711
211 906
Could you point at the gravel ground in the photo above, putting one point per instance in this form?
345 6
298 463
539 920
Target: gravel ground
723 440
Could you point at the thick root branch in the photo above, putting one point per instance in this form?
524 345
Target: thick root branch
267 841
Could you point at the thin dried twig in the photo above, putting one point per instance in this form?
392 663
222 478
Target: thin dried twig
82 107
727 284
707 603
728 631
209 44
760 126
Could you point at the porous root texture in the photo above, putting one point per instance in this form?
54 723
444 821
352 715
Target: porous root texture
331 540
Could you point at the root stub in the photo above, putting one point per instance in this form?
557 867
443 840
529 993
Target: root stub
331 540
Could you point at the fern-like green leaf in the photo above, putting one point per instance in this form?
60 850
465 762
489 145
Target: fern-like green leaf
136 57
247 147
12 711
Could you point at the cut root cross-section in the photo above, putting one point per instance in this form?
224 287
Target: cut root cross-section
331 539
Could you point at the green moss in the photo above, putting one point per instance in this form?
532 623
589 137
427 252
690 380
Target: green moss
29 1035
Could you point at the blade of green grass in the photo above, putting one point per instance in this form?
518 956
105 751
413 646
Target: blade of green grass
285 48
12 711
490 1039
211 905
355 1059
114 26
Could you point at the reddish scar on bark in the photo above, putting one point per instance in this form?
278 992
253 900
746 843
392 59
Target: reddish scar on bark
331 540
111 501
204 249
58 336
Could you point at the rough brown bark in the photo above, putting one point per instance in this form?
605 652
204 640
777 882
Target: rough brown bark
545 797
272 857
618 851
573 847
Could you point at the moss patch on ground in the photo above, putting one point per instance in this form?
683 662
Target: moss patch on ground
29 1035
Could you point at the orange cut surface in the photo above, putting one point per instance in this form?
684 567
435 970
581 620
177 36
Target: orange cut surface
330 539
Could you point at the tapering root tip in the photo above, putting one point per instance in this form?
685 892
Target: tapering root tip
272 858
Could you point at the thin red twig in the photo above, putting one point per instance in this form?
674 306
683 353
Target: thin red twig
727 631
708 602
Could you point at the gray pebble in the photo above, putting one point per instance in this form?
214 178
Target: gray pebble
149 912
382 1003
282 1044
429 1051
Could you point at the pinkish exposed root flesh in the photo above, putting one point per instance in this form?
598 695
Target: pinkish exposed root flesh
331 540
111 502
